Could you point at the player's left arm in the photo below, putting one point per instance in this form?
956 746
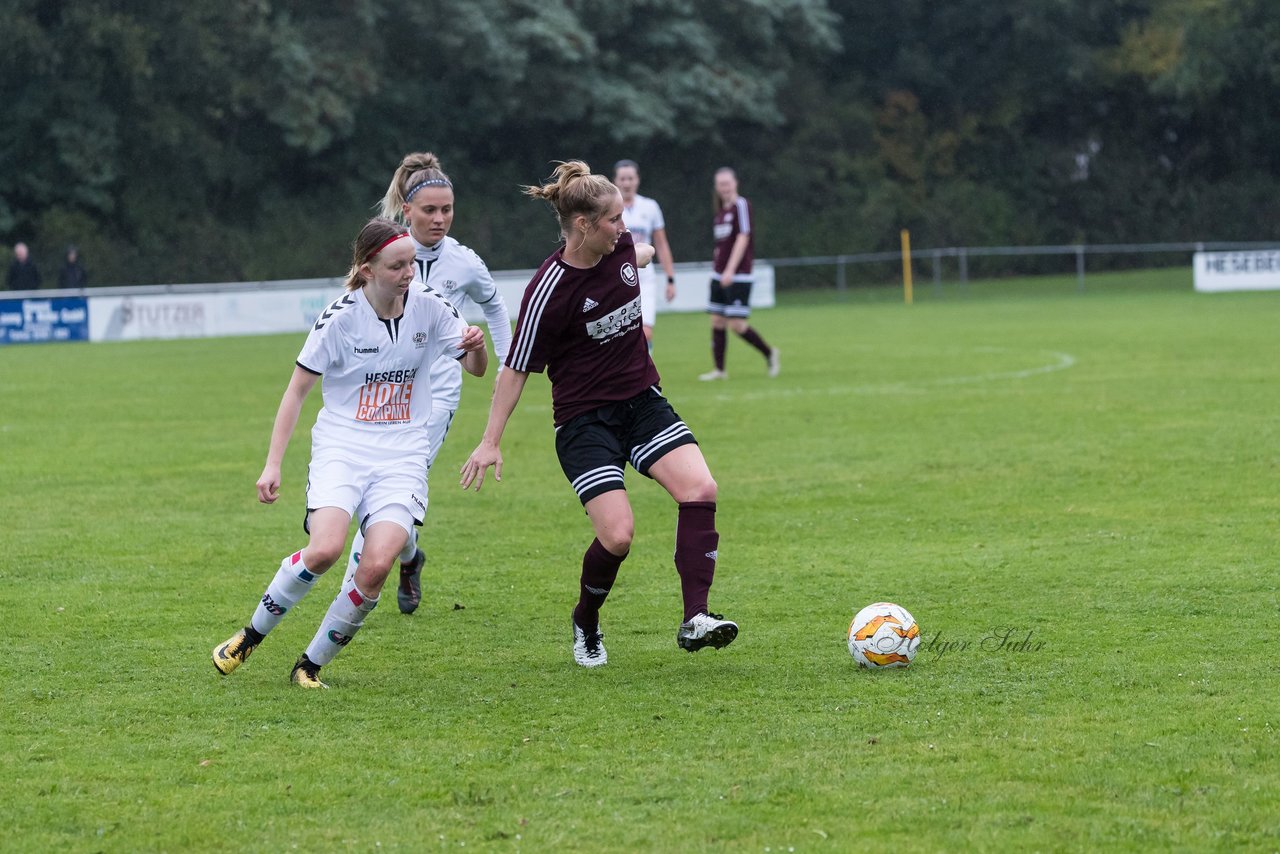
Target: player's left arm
644 254
665 258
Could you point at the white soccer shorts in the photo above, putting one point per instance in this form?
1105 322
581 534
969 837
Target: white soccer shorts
393 491
648 299
437 429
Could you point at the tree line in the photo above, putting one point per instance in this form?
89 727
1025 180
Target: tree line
212 141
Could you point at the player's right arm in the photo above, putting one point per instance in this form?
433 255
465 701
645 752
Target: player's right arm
300 385
506 395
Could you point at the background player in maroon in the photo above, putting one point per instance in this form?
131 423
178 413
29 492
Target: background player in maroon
730 300
580 321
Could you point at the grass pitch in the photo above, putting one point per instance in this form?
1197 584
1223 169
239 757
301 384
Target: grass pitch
1076 496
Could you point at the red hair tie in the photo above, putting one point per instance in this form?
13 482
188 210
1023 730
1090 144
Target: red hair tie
383 245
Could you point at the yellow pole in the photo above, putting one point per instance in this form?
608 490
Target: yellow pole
906 266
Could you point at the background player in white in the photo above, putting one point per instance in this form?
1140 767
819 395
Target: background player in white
369 446
421 195
643 218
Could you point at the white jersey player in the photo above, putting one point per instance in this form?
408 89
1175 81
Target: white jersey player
458 274
421 195
643 218
374 347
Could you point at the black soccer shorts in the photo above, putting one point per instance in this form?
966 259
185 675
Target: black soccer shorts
594 447
731 301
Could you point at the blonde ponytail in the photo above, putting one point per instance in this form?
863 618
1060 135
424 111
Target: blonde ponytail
573 191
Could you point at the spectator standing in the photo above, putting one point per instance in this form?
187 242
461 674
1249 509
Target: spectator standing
72 274
23 275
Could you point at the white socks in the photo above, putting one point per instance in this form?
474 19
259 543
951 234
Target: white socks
410 546
291 583
340 624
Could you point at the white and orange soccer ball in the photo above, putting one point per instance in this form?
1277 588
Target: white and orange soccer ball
883 635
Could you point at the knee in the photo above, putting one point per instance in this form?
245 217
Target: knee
617 540
322 554
371 575
704 490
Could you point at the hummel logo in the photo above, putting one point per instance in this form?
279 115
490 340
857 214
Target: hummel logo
714 555
588 305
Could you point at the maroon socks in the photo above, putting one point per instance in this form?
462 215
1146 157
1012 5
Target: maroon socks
718 338
696 544
753 338
599 571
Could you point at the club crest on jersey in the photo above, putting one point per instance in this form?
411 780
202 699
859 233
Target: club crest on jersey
588 305
629 276
419 340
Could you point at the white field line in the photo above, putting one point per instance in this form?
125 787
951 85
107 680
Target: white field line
1057 362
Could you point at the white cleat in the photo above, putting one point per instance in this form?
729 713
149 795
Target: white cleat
775 362
711 376
706 630
588 649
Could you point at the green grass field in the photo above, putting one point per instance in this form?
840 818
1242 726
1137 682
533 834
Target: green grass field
1094 475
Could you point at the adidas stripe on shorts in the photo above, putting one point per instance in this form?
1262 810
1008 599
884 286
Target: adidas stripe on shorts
595 447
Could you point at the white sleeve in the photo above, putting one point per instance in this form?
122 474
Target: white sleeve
658 222
499 323
447 328
324 340
479 282
484 293
744 216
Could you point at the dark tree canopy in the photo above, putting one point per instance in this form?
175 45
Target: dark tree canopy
208 140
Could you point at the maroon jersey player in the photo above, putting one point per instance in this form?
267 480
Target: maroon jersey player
730 301
580 322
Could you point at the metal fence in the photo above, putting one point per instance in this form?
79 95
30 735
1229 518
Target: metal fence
886 267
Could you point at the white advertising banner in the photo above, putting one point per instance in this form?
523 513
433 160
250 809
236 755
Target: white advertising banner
1252 270
270 311
129 318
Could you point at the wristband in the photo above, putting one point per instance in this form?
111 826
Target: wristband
671 280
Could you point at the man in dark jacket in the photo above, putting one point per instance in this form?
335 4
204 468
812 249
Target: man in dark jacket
72 274
23 275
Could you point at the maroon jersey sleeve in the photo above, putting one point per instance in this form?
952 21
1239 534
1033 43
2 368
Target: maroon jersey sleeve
537 327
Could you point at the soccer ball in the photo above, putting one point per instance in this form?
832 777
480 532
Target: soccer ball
883 635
